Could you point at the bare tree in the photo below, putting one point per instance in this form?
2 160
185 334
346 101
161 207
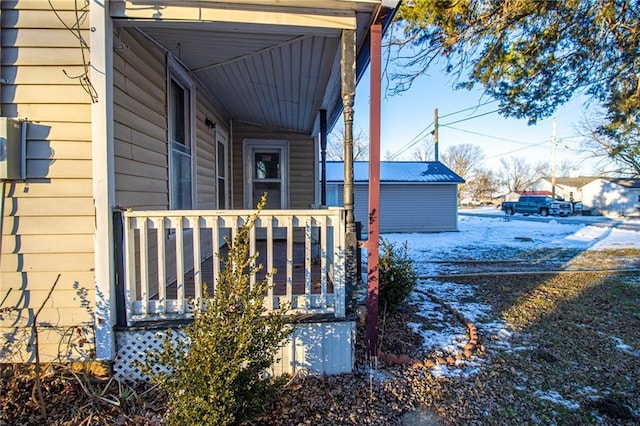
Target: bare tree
517 175
483 185
463 159
617 152
565 168
335 145
425 151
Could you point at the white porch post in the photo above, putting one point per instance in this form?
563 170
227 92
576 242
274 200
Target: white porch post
101 34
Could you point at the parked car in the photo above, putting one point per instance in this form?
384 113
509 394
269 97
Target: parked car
471 202
537 204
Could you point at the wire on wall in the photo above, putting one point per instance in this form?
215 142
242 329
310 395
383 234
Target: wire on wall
83 78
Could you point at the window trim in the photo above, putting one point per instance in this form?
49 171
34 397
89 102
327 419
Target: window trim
178 74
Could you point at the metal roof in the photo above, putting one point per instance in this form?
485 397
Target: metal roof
396 172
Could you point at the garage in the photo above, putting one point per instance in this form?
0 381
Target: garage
415 196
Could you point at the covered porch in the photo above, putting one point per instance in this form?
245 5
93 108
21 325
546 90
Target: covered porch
215 103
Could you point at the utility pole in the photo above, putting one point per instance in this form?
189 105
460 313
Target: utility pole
435 133
554 142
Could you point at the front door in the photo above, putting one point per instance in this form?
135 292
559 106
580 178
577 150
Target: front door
266 171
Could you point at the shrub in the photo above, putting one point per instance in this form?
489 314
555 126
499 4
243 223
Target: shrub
217 374
397 275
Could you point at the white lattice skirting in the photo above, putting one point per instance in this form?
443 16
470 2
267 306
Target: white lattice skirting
132 348
319 348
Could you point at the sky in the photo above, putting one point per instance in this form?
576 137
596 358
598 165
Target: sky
406 116
478 236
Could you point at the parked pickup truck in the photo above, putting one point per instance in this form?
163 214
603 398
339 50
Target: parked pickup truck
537 204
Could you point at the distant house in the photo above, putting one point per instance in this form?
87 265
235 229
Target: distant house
567 188
414 196
612 196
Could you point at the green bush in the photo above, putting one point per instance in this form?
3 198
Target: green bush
217 374
397 275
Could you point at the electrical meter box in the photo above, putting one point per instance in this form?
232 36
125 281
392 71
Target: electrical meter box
12 149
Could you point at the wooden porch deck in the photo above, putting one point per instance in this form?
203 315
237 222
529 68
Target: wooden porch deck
279 263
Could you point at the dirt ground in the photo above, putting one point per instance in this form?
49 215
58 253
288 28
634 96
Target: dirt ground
571 356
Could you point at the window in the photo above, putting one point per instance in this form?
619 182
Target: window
221 171
180 139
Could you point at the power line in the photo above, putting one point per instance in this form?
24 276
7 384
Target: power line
519 149
416 139
488 136
471 118
469 108
411 143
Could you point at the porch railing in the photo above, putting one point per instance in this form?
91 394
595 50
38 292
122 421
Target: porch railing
170 255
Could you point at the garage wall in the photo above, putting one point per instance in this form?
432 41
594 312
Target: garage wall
405 207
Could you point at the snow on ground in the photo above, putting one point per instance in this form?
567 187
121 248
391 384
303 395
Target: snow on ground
478 238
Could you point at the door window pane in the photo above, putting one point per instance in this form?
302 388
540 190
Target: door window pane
267 165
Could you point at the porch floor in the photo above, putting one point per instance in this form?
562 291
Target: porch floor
279 263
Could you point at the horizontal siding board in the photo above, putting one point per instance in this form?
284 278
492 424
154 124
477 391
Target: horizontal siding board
41 56
41 94
54 168
60 298
35 37
141 155
41 19
142 199
31 75
61 150
133 120
44 207
56 262
130 167
60 5
30 225
140 184
33 244
152 94
67 131
54 188
138 53
136 105
36 282
126 134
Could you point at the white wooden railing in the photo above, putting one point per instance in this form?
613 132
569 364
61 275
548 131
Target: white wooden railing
169 255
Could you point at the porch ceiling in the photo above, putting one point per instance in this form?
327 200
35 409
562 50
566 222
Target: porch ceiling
277 72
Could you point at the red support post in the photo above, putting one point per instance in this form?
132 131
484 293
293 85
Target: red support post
374 192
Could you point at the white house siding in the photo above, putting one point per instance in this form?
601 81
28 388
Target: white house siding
407 207
48 220
610 199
